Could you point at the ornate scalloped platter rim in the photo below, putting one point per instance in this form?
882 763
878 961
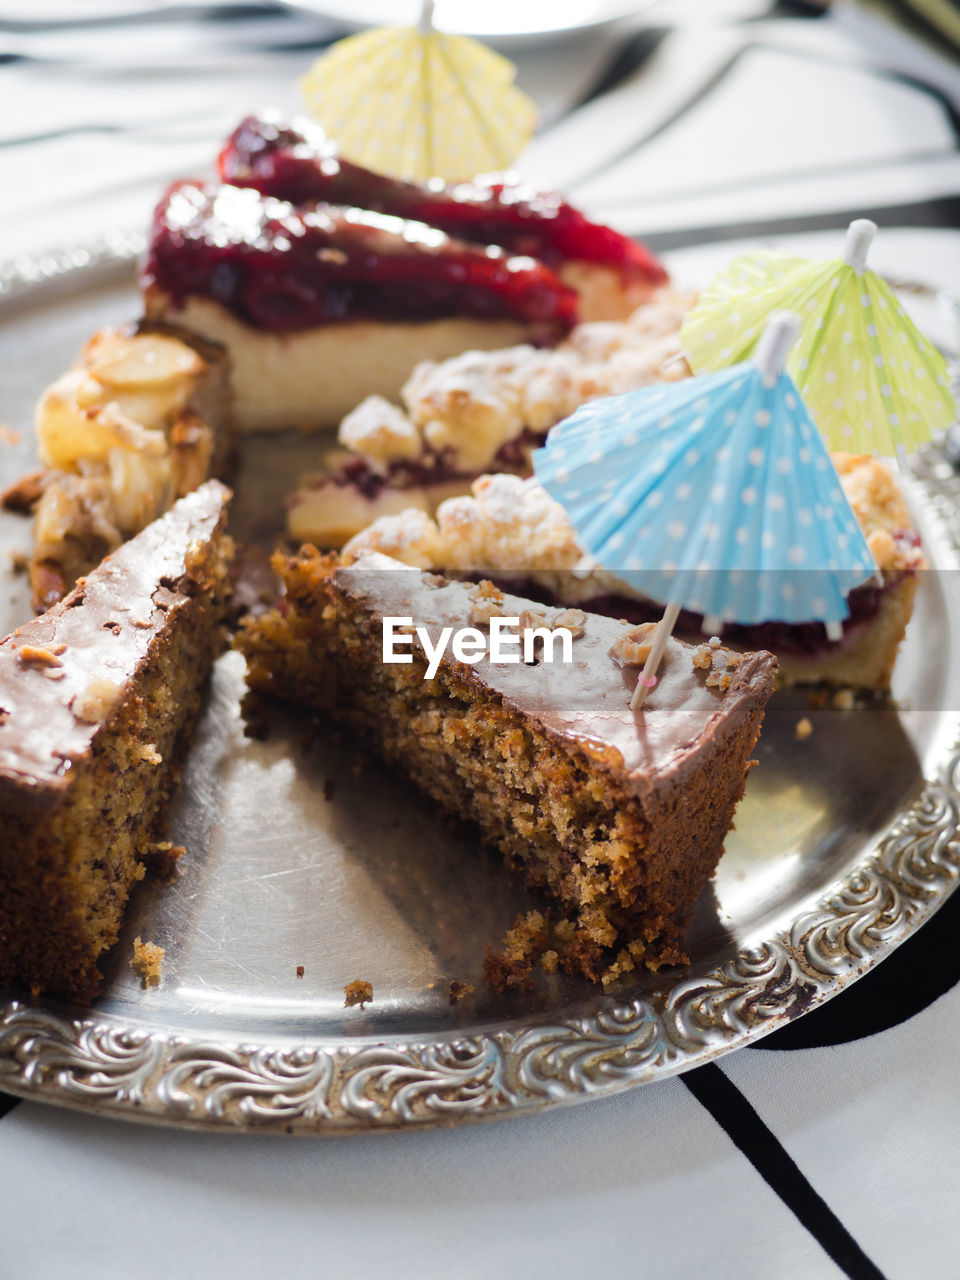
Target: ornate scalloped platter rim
298 1089
156 1072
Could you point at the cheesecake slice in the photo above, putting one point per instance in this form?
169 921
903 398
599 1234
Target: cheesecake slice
97 700
476 412
618 816
328 282
512 531
320 305
142 419
295 160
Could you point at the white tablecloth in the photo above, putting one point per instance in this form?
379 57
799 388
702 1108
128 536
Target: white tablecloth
832 1148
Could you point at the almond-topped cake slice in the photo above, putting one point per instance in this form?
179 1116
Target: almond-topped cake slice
618 816
97 700
513 531
479 411
142 419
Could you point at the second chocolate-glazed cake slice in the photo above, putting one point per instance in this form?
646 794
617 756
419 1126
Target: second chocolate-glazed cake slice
619 816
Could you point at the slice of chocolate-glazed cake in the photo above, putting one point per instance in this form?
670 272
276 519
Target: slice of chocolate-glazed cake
97 700
618 816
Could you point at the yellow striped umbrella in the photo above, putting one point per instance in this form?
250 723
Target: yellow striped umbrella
418 103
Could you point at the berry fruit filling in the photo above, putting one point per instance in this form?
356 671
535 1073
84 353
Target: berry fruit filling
283 268
297 162
429 469
797 639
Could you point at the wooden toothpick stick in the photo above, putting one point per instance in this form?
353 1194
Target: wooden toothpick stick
648 676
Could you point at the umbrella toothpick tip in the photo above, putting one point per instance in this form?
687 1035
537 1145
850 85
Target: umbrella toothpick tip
774 345
860 236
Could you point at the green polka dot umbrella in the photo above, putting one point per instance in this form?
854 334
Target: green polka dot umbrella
871 381
419 103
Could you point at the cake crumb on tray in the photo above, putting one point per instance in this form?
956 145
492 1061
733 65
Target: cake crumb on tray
357 992
147 961
163 858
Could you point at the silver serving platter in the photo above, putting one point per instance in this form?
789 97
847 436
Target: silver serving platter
300 855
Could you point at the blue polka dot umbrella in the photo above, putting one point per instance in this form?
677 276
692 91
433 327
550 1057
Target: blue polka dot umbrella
871 380
715 494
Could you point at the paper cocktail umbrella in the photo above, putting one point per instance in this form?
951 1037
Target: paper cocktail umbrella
417 103
715 494
870 379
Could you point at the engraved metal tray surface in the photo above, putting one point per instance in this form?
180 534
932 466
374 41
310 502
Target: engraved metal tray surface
844 845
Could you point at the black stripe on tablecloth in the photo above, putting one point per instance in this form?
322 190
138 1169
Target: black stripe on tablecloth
640 45
792 9
847 168
175 13
913 17
942 211
628 58
7 1103
699 94
731 1110
704 91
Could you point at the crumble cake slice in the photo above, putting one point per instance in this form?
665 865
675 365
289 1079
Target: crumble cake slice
141 420
512 530
619 816
479 411
97 700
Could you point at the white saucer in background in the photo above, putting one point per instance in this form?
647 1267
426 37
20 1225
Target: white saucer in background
499 20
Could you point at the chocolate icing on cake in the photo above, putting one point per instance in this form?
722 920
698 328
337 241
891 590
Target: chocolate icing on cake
95 641
587 701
